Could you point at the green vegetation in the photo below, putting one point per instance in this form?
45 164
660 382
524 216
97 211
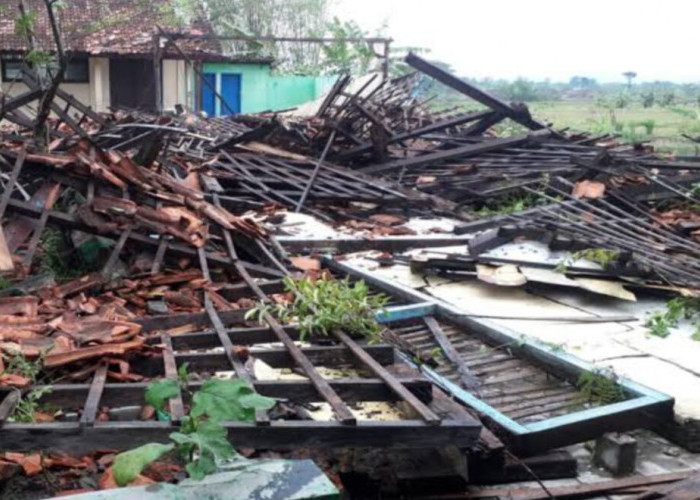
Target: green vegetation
662 127
658 113
56 256
18 364
661 322
508 205
202 441
4 283
29 403
602 256
600 388
324 305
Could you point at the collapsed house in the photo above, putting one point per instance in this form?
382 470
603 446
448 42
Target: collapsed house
139 244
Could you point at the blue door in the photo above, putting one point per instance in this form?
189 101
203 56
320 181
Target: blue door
231 92
208 94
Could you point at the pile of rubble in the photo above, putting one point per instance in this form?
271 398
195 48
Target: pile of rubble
134 227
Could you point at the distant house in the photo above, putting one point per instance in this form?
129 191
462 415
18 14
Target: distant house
111 46
251 86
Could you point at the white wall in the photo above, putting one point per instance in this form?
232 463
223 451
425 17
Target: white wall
177 84
99 80
82 91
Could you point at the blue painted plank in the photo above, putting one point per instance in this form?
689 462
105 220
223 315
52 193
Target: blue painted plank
528 348
411 311
467 398
583 416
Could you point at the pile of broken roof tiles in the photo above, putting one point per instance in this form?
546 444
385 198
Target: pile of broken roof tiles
153 217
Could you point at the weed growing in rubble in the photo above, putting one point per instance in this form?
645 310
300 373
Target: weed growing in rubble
18 364
600 387
509 205
661 322
602 256
55 251
28 406
324 305
202 441
29 403
4 283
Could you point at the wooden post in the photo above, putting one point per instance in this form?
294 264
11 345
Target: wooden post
157 73
387 59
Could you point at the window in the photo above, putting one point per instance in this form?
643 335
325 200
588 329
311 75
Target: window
77 71
11 68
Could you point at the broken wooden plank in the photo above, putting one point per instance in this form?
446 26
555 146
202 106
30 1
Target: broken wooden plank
93 399
481 147
468 379
426 413
521 116
580 491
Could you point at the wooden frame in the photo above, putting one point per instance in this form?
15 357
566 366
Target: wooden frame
645 407
87 433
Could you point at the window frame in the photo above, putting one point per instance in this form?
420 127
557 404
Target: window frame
83 61
9 59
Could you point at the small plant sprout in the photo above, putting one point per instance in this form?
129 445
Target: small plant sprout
660 323
29 403
600 387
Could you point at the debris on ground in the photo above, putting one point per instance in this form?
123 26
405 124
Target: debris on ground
139 249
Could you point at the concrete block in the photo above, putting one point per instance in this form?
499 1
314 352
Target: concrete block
617 453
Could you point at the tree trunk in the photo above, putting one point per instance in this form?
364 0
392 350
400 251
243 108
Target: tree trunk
40 130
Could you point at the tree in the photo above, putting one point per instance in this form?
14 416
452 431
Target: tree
630 75
279 18
342 56
582 82
668 97
50 69
648 99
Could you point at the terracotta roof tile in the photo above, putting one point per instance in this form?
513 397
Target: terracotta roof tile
106 27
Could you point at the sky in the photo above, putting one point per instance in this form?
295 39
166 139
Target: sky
544 39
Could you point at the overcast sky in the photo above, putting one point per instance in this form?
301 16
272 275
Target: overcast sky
541 39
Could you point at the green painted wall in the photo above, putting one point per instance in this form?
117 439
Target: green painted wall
261 90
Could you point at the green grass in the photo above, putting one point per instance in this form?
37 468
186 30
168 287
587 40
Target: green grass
662 126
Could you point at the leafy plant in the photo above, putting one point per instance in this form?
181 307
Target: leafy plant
342 56
202 440
602 256
600 387
696 334
324 305
29 405
660 323
18 364
4 283
437 354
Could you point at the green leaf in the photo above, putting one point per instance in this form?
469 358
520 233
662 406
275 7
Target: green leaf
159 392
228 400
183 374
210 444
129 464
